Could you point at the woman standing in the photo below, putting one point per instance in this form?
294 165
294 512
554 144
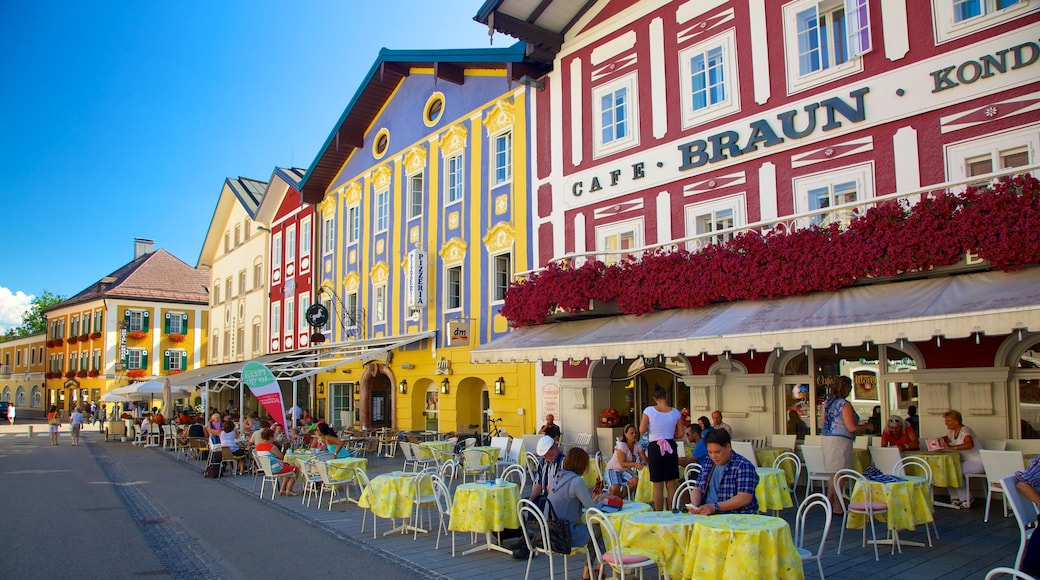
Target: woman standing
76 423
661 424
332 443
840 425
962 439
53 424
215 426
627 459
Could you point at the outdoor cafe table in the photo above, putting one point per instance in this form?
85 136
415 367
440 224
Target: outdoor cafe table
907 503
772 492
645 488
861 459
766 456
946 467
485 508
340 469
661 536
391 496
439 449
748 547
628 508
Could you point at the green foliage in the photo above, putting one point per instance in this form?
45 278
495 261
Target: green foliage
33 320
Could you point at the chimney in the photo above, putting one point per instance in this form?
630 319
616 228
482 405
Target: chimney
143 247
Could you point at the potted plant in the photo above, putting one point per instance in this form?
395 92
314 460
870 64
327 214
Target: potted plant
81 374
135 373
84 337
175 372
136 335
70 374
93 373
174 337
95 335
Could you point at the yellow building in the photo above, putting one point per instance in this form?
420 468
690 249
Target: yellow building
144 321
22 368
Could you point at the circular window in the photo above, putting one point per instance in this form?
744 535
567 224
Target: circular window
434 109
382 143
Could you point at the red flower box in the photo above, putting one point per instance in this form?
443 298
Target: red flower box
70 374
175 337
135 373
73 339
174 372
137 335
92 373
95 335
84 337
81 374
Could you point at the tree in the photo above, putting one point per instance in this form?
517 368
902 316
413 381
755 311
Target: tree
33 320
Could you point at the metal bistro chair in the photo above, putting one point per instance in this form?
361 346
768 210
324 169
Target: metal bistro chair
900 469
609 552
845 481
265 466
682 493
478 462
1025 514
538 539
442 497
327 483
791 458
814 501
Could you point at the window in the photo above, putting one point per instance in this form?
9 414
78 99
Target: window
502 158
176 323
305 237
75 326
453 288
240 340
718 217
136 320
276 319
328 307
831 189
32 356
136 359
290 245
823 37
956 18
238 235
614 238
353 314
248 229
257 338
175 360
502 275
242 283
276 252
290 315
415 195
227 343
215 347
709 80
86 322
305 303
614 110
353 224
380 304
73 360
227 242
95 360
328 235
228 290
97 321
382 210
258 274
216 292
992 154
453 177
37 398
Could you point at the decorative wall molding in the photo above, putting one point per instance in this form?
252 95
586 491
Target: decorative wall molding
937 397
980 399
756 396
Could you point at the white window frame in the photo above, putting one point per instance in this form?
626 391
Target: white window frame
862 175
328 235
354 315
500 274
258 336
630 84
304 300
616 230
958 154
454 177
276 251
276 319
796 81
177 318
173 359
290 316
947 28
95 360
133 359
416 192
353 224
453 288
136 323
258 273
305 236
737 204
290 244
382 210
730 103
215 345
501 159
228 288
242 288
379 303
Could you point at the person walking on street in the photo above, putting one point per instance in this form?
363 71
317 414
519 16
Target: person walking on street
53 424
10 414
76 423
101 418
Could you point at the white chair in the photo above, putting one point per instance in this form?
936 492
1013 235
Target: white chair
448 471
265 466
784 441
861 442
1025 514
791 458
531 464
583 440
442 497
169 437
815 440
516 474
683 494
814 469
996 445
424 457
885 458
998 465
746 449
327 483
922 465
1009 571
311 478
844 482
502 444
693 469
408 450
610 553
361 478
529 514
421 499
512 456
478 462
814 501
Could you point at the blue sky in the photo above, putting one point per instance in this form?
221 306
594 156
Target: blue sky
121 119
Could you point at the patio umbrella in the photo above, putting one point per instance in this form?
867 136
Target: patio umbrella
113 397
167 398
153 389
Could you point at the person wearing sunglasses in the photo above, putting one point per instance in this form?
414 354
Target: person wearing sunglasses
899 435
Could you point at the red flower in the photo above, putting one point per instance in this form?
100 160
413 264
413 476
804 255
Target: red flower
95 335
137 335
135 373
92 373
70 374
175 337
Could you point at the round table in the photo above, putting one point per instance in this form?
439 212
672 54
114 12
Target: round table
766 456
485 508
861 459
946 467
741 546
628 509
391 495
772 492
660 536
907 503
340 469
645 487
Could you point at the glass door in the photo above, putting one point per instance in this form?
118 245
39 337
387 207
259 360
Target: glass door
341 400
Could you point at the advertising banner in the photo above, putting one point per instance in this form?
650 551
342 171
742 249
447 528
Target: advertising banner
266 390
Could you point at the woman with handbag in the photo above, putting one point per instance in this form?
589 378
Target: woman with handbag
568 495
53 424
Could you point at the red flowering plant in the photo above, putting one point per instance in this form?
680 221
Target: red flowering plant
70 374
81 374
72 339
93 373
95 335
174 337
1000 224
135 373
84 337
136 335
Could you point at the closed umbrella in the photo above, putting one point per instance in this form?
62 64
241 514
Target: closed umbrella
167 399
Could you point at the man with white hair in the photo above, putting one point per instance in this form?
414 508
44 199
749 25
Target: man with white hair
549 462
718 423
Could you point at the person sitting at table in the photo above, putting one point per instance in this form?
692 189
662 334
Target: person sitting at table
727 480
796 426
624 464
569 495
257 436
146 426
214 427
698 448
706 427
912 419
333 444
550 428
900 435
962 439
718 423
549 462
278 464
228 438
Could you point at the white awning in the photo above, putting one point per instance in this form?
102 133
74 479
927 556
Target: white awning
994 303
299 364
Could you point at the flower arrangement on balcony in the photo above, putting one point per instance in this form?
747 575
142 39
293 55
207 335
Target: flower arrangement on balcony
137 335
73 339
81 374
95 335
174 337
1000 224
84 337
70 374
93 373
52 375
174 371
135 373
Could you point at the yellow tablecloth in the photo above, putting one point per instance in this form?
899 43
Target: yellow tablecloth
340 469
772 492
861 459
748 547
629 508
767 455
391 496
439 448
644 488
907 504
480 507
660 536
946 467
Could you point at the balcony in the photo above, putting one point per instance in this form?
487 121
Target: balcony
5 371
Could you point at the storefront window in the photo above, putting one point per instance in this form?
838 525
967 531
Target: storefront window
1028 373
431 408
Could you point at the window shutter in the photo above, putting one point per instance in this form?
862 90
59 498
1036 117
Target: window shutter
144 358
184 323
166 324
126 360
184 360
144 321
126 319
166 361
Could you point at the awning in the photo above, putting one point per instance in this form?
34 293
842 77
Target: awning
299 364
952 307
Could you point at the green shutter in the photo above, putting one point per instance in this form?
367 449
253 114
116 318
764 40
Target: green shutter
144 359
184 360
166 324
166 361
126 319
184 323
144 321
126 360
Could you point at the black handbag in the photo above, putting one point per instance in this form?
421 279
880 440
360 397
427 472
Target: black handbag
559 531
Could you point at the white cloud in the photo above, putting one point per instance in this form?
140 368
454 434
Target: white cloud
12 306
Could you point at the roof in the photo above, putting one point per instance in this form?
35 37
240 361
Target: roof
249 193
387 72
159 277
542 24
959 306
282 179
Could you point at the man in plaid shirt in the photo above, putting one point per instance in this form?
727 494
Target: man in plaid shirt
727 480
1028 481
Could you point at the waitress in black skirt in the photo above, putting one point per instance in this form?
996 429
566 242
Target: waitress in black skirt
662 426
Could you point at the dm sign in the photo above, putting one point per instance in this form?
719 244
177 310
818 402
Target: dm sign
458 333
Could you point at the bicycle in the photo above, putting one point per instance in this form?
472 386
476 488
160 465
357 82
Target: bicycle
494 430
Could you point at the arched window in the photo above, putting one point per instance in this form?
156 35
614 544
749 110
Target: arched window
37 398
19 397
6 396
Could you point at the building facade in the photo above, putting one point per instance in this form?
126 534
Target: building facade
22 368
680 124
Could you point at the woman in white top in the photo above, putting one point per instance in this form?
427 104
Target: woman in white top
627 457
661 424
964 441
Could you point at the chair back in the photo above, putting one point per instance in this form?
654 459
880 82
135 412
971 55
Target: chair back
813 455
600 465
530 515
1024 445
917 462
784 441
845 481
448 469
693 468
264 461
813 440
611 543
1000 464
996 444
789 457
502 444
407 450
683 494
746 449
1024 510
583 440
516 474
441 496
361 478
885 458
861 442
811 502
531 464
475 460
1009 571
